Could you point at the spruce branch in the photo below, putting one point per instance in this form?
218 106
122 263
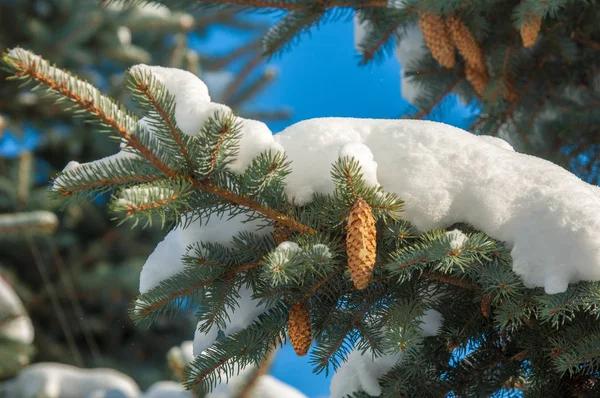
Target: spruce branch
167 199
169 294
228 356
254 205
102 176
24 64
157 99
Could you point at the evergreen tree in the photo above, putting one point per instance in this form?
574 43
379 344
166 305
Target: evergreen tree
78 274
530 65
429 307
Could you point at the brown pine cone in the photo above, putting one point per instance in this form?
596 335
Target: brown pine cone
300 329
437 39
530 30
361 243
478 80
466 44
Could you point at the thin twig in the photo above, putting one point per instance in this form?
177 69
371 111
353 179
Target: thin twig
62 319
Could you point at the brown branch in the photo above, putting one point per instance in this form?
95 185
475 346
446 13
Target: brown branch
90 106
170 124
352 325
105 182
208 371
132 208
368 56
241 77
61 88
349 181
190 289
263 369
450 280
425 111
323 281
224 131
220 63
240 200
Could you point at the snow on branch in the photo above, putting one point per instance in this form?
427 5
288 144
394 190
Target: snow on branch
26 65
523 223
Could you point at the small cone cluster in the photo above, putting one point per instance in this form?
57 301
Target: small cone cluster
361 243
281 233
300 329
476 70
530 30
437 39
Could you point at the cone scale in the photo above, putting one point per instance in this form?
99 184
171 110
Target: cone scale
531 30
437 39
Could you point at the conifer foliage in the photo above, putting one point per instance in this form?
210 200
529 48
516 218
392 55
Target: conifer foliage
517 337
530 64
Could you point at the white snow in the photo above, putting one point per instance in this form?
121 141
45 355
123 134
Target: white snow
247 311
288 247
124 35
499 142
431 322
360 371
20 327
135 196
167 389
269 387
165 261
56 380
266 386
447 175
363 155
457 238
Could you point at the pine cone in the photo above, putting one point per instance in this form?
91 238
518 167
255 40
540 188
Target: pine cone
361 243
300 329
478 80
437 39
466 44
530 30
281 233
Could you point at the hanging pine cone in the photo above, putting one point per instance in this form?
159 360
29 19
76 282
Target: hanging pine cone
466 44
281 233
437 39
530 30
361 243
478 80
300 329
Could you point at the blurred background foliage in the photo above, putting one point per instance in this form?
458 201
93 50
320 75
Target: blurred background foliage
77 275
